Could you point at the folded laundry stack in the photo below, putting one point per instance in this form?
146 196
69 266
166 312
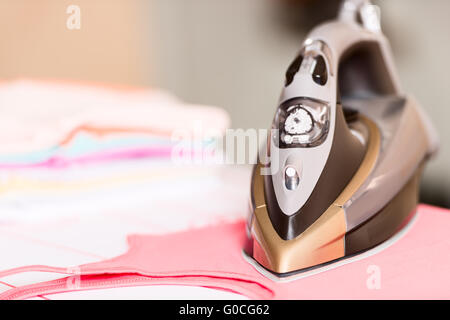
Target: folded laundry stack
78 149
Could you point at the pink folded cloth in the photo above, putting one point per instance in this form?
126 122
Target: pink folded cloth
416 266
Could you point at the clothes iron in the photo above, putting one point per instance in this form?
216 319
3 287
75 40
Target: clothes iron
344 157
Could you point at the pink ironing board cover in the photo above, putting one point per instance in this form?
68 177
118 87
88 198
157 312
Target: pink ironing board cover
415 267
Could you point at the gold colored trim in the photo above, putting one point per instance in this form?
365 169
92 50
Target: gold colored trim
324 240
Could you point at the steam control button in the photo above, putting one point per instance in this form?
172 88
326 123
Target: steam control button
291 178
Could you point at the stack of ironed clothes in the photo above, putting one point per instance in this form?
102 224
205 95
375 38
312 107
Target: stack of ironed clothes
77 149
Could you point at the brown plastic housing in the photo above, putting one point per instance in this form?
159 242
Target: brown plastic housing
395 215
327 238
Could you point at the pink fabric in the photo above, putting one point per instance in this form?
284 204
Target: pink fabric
56 162
415 267
136 153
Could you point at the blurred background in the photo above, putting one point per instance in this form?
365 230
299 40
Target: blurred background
227 53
